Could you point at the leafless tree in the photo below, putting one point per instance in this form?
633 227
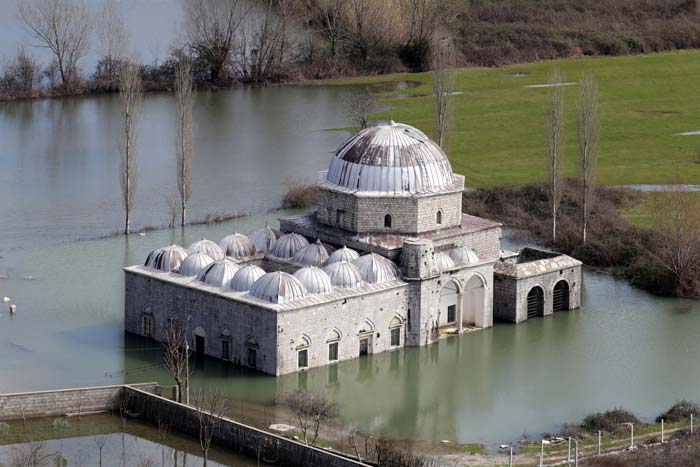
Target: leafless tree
360 104
131 98
163 433
30 455
62 26
370 26
184 98
423 19
443 60
113 40
211 27
677 224
263 42
176 357
21 74
100 442
588 132
123 413
210 407
555 143
329 16
311 409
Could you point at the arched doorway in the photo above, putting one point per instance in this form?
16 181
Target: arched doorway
474 298
535 302
560 296
450 296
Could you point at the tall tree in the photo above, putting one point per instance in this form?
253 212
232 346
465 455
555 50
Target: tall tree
555 143
62 26
130 97
360 104
184 98
443 54
176 359
210 407
112 39
210 27
588 132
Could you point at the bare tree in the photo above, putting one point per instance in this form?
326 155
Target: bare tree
211 27
588 131
555 143
360 104
100 442
33 454
329 16
184 98
263 43
163 434
210 407
443 54
62 26
423 18
130 97
21 75
311 409
176 357
113 41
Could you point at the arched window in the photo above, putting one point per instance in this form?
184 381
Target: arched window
438 217
387 221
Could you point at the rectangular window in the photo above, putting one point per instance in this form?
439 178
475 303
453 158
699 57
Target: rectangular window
225 349
252 357
339 217
452 313
333 352
148 326
303 358
396 337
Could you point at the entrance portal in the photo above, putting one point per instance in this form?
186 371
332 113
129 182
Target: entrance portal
364 346
199 348
560 299
535 302
474 298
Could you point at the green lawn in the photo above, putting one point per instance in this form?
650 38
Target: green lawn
497 133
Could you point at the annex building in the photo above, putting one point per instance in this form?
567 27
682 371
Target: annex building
387 260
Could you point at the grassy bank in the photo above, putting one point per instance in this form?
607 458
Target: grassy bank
497 132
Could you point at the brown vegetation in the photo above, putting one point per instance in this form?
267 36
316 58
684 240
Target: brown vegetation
613 243
311 410
682 451
299 195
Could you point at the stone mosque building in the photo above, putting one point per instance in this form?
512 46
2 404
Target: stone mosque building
387 260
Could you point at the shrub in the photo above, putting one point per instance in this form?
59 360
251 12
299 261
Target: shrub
680 411
298 196
608 421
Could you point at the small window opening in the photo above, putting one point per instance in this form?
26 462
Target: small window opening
387 221
252 357
451 313
225 350
303 358
396 337
148 326
333 352
439 217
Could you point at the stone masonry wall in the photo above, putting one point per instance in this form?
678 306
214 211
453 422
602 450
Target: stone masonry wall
345 321
218 317
485 243
235 436
63 402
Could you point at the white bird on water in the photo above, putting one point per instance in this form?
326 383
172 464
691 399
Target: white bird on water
5 299
13 308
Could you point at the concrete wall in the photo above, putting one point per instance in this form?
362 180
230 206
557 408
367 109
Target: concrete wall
63 402
371 316
233 435
217 316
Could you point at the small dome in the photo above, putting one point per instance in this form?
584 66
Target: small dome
443 261
288 245
314 279
344 274
167 258
376 269
194 264
245 277
463 256
390 158
264 239
343 254
314 254
237 246
278 287
207 247
219 273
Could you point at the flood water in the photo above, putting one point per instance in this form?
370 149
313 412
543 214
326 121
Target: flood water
59 191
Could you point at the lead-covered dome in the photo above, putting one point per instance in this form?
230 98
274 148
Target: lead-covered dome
463 256
314 279
237 246
343 254
390 158
278 287
376 269
443 261
344 275
167 258
288 245
314 254
207 247
194 264
219 273
245 277
264 239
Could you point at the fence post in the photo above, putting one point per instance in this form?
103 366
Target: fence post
510 457
576 455
662 431
599 442
542 453
691 423
568 453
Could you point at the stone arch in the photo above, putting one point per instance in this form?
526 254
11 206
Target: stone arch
303 342
561 295
387 221
534 304
225 331
199 331
251 341
367 327
438 217
450 303
334 335
474 301
396 321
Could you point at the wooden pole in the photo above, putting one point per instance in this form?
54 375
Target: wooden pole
542 454
662 431
599 442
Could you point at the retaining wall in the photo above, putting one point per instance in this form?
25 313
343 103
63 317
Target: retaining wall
232 435
79 401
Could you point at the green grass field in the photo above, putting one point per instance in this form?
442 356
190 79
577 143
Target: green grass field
498 125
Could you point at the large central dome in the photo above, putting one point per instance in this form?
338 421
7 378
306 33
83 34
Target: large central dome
391 158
